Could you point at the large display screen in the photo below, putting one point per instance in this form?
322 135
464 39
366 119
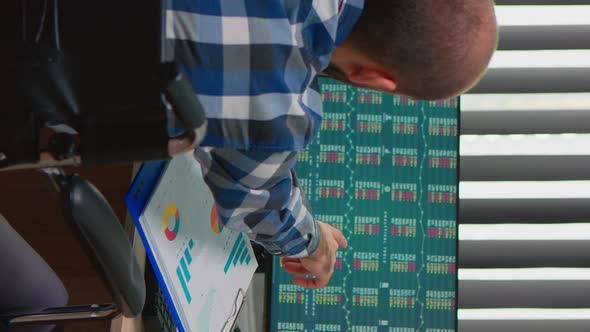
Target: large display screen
383 169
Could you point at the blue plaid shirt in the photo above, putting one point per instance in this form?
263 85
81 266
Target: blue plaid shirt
253 66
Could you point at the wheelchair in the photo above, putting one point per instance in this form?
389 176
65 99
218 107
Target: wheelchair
96 73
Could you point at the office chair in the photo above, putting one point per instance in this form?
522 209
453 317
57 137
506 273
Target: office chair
105 243
96 72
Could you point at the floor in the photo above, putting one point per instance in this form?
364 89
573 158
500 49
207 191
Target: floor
26 201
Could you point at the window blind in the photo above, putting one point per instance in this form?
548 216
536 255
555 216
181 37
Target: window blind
524 234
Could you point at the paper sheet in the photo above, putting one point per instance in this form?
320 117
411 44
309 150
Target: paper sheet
207 268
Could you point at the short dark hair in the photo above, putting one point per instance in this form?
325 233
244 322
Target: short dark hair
426 42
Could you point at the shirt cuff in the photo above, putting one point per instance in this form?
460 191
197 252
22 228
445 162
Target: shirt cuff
313 236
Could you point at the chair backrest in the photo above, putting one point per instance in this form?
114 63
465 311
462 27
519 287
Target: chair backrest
112 50
96 66
104 240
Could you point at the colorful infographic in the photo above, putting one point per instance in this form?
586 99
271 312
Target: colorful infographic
171 211
383 169
204 269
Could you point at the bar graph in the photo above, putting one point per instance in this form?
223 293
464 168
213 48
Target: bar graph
238 255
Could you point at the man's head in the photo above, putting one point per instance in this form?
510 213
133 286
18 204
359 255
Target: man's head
426 49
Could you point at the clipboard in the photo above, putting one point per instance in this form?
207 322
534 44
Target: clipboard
202 268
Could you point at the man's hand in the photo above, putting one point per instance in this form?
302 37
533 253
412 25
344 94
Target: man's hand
320 264
181 144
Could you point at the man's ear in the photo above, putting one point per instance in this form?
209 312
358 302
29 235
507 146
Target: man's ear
373 79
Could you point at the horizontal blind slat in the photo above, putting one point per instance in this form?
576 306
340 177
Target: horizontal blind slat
494 211
524 122
534 102
523 325
534 80
524 168
540 2
524 294
572 37
523 254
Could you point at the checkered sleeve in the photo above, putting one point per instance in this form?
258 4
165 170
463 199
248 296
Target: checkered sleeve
256 192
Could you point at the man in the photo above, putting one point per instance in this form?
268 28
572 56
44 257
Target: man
253 65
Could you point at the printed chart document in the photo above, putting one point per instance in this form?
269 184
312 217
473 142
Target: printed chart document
205 269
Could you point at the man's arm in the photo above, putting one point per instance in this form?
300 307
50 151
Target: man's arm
320 264
256 192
